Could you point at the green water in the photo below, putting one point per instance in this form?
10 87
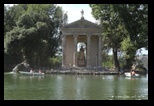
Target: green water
75 87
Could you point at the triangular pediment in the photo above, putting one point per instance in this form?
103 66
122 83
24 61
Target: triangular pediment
82 23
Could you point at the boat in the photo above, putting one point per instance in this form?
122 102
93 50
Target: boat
128 74
28 73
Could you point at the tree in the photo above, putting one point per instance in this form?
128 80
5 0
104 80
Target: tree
11 15
35 33
132 20
135 19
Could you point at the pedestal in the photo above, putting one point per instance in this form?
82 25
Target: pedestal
81 62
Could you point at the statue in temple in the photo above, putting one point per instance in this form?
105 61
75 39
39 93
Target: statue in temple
81 54
81 58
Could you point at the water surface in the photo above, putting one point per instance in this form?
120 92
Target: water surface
75 87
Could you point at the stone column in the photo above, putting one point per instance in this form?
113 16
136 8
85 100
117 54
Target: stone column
75 51
63 49
88 50
100 52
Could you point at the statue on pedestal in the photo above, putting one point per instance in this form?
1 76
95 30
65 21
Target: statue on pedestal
65 19
81 53
81 58
82 13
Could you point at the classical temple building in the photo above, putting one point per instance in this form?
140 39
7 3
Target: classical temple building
88 33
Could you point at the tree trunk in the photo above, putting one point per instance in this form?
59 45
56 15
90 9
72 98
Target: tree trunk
116 61
130 60
128 64
38 61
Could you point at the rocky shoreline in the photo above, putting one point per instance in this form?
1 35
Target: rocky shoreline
82 71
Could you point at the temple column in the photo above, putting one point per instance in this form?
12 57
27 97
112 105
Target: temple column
88 50
63 49
75 51
100 52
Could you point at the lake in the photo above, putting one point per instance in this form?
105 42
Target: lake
75 87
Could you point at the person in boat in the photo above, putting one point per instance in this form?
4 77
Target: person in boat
40 71
133 73
133 69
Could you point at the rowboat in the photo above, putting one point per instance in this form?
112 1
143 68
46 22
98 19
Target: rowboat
128 74
28 73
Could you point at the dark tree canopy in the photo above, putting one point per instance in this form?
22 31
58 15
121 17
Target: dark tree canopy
32 32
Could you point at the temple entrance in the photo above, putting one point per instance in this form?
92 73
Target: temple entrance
81 57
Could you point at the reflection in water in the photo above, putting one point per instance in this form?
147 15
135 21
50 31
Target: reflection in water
75 87
25 77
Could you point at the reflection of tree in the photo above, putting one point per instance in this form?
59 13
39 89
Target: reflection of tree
116 88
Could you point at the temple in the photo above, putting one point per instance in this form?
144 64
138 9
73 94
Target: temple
88 33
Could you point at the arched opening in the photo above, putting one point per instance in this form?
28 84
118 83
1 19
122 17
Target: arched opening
81 54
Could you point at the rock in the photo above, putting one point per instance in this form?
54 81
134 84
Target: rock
140 69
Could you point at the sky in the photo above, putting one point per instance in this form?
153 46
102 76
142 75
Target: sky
74 13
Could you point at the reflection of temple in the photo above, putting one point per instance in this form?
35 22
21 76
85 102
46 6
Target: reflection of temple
81 58
88 33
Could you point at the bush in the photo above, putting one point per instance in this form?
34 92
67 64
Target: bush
55 62
108 64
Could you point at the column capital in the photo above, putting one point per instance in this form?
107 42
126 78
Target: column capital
88 35
99 36
75 35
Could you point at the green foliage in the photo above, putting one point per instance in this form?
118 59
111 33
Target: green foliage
11 15
125 27
107 60
55 61
128 45
108 64
135 19
25 21
33 32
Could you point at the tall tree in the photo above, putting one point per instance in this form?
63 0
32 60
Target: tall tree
135 19
112 28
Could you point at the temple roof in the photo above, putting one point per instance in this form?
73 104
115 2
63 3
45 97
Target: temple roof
82 23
